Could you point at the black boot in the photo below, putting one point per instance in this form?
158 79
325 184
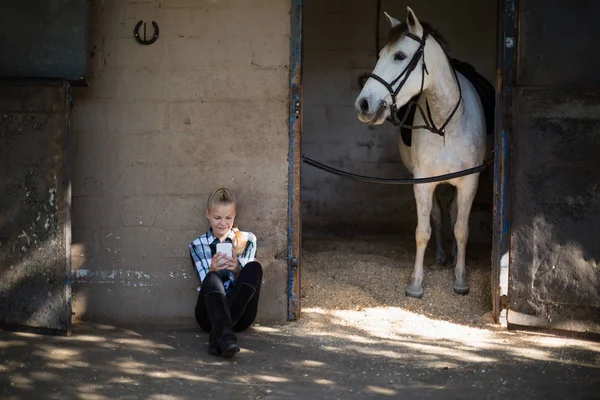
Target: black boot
222 340
240 300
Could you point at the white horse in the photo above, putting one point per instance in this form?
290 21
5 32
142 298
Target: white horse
413 64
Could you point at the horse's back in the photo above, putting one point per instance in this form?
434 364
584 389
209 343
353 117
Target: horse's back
484 89
473 120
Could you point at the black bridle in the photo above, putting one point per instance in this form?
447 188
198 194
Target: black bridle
403 77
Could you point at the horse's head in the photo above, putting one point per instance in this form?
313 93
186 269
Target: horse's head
399 73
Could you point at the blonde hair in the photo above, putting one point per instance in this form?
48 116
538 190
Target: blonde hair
223 197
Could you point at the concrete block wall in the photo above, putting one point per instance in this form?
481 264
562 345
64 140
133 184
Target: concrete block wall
159 128
340 46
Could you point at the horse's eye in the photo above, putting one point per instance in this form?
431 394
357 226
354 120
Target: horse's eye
399 56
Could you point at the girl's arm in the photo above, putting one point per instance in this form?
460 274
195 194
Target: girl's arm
201 264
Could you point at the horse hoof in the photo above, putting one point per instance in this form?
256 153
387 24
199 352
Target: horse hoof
441 260
414 291
459 289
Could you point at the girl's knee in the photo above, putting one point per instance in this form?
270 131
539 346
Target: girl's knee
253 268
212 282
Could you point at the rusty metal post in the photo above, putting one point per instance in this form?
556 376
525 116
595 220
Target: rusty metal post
507 53
295 162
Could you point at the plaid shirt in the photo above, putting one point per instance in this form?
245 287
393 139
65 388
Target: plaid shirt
204 248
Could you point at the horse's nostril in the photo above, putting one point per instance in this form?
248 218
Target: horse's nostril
364 105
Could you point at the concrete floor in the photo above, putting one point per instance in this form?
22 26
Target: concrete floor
294 361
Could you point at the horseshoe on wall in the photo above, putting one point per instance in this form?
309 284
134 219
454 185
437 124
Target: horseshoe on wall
144 41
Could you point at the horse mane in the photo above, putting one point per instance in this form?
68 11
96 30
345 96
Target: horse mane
397 32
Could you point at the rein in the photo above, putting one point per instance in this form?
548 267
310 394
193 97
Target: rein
412 65
388 181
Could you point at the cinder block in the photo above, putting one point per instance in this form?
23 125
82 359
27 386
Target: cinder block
96 212
103 84
214 4
88 243
272 305
107 20
88 114
90 179
164 211
250 83
270 51
248 20
149 180
102 150
172 22
259 121
174 149
192 180
146 241
129 289
177 53
135 116
222 147
144 84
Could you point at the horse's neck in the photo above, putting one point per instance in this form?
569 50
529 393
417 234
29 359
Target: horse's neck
443 92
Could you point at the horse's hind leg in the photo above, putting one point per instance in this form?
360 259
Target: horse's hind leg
424 198
453 211
464 200
436 218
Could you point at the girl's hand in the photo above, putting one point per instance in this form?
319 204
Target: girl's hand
219 262
234 266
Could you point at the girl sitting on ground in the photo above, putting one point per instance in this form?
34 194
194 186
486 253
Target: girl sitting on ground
230 286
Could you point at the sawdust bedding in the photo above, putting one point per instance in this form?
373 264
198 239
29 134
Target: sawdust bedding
373 271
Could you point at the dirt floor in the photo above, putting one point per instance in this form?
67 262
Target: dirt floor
353 341
373 271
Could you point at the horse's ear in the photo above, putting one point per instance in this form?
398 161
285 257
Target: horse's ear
414 26
393 21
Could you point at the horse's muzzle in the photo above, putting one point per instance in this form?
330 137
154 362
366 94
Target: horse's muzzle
376 118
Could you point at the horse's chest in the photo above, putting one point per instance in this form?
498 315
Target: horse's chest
431 152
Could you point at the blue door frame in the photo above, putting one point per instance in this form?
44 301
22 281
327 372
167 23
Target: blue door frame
295 161
507 57
507 53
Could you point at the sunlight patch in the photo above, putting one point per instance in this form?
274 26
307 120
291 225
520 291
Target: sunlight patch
5 344
144 343
25 334
57 353
45 376
380 390
121 380
86 338
324 382
270 378
312 363
265 329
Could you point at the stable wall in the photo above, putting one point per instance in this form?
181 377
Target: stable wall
339 47
160 127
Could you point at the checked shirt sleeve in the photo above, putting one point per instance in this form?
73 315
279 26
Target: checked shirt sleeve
201 258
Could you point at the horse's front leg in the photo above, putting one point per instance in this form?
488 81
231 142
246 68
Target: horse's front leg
464 200
424 198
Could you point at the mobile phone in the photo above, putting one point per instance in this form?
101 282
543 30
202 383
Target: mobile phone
226 248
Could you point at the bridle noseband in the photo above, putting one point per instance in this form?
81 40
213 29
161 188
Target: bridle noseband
403 77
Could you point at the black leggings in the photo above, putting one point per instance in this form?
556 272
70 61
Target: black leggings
251 274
